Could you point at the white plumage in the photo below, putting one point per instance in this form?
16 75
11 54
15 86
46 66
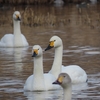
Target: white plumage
39 81
17 39
77 74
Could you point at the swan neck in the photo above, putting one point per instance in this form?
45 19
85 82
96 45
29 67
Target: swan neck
38 74
67 93
18 42
38 66
56 67
16 27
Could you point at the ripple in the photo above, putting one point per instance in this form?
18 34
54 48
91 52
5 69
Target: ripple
74 51
92 52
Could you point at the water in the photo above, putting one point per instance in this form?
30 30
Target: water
80 32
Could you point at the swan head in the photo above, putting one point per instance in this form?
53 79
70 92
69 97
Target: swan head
36 51
64 80
55 42
17 16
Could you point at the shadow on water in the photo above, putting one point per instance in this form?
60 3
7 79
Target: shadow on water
80 32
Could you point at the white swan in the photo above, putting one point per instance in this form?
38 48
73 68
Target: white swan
65 82
77 74
17 39
39 81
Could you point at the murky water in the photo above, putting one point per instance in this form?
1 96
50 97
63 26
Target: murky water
80 32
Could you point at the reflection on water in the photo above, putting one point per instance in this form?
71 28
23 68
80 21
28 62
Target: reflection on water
14 56
80 33
48 95
18 58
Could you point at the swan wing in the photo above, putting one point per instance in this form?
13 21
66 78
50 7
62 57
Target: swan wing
77 74
6 40
28 84
49 79
24 40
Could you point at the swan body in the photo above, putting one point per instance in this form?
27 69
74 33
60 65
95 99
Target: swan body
64 81
17 39
39 81
77 74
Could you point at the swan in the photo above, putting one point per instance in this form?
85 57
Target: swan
39 81
64 81
17 39
77 74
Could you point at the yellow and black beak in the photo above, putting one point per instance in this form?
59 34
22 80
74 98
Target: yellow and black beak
51 45
58 81
35 52
18 17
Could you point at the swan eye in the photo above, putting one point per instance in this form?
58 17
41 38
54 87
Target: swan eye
54 40
64 76
38 49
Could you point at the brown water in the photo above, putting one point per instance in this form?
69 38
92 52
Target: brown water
80 32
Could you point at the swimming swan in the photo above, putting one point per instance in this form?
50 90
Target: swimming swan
17 39
39 81
77 74
64 81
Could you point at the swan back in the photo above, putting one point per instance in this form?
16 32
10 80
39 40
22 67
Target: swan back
76 73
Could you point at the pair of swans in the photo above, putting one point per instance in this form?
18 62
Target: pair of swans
17 39
40 81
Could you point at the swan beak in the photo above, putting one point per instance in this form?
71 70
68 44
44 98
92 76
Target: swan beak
51 45
58 81
18 17
35 52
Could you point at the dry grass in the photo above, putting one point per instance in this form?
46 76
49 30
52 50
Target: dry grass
32 18
16 2
25 1
45 16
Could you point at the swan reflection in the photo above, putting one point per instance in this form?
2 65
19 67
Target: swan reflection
18 56
14 56
46 95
